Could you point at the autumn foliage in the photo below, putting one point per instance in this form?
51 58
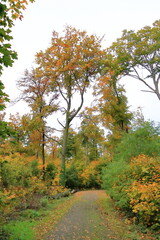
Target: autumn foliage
107 148
144 192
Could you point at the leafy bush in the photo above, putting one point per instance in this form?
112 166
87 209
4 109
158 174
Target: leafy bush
34 168
50 171
73 178
132 178
91 175
116 179
81 176
143 140
144 192
31 214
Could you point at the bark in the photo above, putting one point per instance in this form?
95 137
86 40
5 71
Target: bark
70 115
64 148
43 154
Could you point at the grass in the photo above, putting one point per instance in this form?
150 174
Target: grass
19 230
35 224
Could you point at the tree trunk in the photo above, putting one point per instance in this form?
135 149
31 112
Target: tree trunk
43 154
64 148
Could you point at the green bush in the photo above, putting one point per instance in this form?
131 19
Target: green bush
143 140
31 214
15 174
73 179
116 179
51 171
119 177
34 168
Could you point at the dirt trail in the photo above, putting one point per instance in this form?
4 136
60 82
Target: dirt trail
83 221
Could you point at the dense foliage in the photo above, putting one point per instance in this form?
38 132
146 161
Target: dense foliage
132 178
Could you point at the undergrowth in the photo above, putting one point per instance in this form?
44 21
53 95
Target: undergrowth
123 227
32 224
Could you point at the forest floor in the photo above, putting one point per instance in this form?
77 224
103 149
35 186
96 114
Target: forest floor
90 219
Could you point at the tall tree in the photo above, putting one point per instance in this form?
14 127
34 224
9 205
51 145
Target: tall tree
112 103
113 108
35 91
71 62
9 11
137 54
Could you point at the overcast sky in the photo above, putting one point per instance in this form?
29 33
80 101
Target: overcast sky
102 17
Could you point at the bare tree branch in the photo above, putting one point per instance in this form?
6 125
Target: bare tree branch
60 123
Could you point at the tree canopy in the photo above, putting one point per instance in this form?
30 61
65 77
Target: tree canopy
137 54
70 63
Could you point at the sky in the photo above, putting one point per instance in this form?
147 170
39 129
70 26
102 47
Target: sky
106 18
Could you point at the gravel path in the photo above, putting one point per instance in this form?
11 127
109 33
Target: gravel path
83 221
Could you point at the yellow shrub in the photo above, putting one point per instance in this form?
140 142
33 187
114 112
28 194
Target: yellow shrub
144 192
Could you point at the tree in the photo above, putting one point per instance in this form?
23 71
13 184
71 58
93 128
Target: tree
35 91
70 63
92 137
112 103
137 54
9 11
73 145
4 128
113 108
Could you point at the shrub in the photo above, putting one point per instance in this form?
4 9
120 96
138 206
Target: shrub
132 178
116 179
50 171
73 178
91 175
31 214
144 192
143 140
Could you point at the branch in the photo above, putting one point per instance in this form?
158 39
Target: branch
79 108
139 78
62 94
52 139
53 129
147 91
60 123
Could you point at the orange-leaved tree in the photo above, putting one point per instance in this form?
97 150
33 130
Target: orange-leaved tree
71 62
